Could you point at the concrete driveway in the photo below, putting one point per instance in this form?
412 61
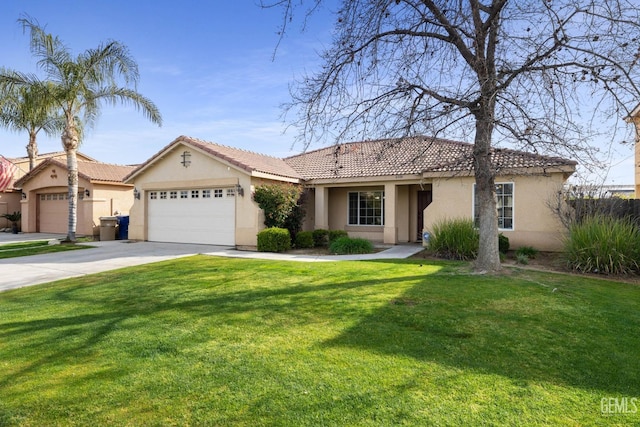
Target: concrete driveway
104 256
111 255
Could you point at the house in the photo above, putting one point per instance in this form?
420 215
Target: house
10 199
101 192
383 190
634 118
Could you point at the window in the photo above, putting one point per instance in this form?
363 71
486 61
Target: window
173 195
504 195
163 194
184 194
195 194
231 192
217 193
366 208
153 195
206 194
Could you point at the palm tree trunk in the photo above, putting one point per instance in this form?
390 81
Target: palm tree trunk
32 150
70 144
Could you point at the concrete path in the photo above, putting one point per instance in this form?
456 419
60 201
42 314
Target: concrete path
111 255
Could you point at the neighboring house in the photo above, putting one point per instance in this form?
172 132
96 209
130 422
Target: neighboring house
101 192
387 191
634 117
11 197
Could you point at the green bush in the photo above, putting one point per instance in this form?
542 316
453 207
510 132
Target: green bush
274 239
336 234
602 244
455 239
348 245
304 240
527 251
503 243
321 238
278 201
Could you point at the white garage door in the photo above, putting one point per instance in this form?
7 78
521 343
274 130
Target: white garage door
53 213
205 216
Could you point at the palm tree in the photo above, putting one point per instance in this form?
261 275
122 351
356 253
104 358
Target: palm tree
27 108
79 86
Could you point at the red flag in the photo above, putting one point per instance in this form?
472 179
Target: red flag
7 169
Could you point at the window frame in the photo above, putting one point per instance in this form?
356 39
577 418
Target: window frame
501 210
359 214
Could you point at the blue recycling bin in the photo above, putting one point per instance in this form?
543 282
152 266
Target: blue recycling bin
123 227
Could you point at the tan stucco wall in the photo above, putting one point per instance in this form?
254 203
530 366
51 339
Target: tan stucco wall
9 203
203 172
400 225
534 223
338 212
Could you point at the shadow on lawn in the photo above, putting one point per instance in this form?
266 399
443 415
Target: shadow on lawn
63 340
486 324
521 332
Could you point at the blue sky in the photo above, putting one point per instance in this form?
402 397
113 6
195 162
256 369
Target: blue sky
208 66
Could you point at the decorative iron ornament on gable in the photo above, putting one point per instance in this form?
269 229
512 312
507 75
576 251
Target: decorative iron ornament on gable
186 159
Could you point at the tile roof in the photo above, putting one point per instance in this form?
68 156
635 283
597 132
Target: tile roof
96 171
246 160
45 156
406 156
92 171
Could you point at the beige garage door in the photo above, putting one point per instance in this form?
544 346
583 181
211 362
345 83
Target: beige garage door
53 213
205 216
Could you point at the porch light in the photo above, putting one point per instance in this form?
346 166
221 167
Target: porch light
87 193
24 196
136 194
239 190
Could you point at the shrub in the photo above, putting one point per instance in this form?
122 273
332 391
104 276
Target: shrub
522 258
321 237
503 243
274 239
304 240
455 239
527 251
348 245
278 202
336 234
602 244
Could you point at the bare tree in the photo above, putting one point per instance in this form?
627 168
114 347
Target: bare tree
532 74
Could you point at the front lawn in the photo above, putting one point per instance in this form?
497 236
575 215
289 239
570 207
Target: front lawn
215 341
35 247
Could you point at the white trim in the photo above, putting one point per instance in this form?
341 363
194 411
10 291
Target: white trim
513 205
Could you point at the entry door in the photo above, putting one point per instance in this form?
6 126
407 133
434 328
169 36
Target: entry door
424 200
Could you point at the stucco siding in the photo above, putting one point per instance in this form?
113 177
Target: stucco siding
534 223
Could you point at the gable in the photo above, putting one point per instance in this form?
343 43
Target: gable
250 163
183 163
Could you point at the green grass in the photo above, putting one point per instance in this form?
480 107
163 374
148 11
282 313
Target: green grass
36 247
214 341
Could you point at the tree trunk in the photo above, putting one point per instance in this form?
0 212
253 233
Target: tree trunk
488 255
70 144
32 150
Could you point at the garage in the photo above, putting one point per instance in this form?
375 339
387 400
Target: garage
192 215
53 213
